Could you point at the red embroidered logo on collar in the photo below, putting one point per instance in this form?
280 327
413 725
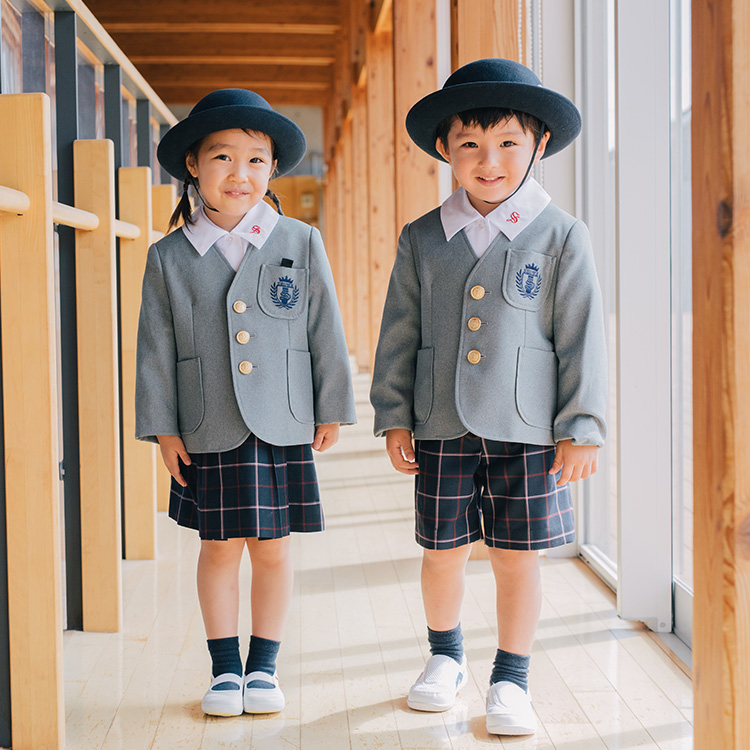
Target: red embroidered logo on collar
255 229
514 217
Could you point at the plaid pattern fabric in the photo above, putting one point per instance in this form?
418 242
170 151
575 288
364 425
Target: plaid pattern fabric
504 484
255 490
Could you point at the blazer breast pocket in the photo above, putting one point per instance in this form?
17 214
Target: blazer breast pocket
282 292
527 278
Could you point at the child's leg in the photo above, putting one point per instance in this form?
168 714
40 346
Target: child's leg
443 583
218 586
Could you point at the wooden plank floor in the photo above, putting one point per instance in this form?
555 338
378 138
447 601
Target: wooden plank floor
355 640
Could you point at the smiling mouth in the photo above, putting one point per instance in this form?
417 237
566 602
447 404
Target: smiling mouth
490 180
235 193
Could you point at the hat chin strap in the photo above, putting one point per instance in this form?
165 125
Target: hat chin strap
203 200
528 170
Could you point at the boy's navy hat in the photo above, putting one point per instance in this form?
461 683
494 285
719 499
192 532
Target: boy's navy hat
226 109
494 82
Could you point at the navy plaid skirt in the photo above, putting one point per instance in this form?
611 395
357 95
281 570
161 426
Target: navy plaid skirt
470 487
254 490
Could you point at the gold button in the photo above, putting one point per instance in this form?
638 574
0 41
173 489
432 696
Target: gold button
242 337
475 324
239 306
246 367
477 292
474 356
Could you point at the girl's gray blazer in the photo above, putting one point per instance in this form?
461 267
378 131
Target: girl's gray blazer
198 379
509 346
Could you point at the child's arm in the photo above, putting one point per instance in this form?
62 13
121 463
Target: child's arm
172 448
326 436
575 461
400 449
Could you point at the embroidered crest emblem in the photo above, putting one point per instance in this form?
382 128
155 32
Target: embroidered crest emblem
514 217
255 229
529 281
284 293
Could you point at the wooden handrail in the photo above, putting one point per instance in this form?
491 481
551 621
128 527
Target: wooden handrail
126 230
13 201
74 217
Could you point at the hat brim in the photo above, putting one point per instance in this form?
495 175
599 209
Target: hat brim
557 112
288 138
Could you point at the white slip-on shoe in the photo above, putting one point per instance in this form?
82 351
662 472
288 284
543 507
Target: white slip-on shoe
436 688
263 700
509 710
223 702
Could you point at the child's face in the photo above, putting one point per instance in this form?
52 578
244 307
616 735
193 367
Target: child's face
233 168
490 164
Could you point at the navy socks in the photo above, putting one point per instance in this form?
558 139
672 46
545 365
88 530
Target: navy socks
261 657
225 657
511 668
447 642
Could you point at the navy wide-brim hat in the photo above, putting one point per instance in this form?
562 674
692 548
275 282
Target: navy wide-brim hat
494 82
226 109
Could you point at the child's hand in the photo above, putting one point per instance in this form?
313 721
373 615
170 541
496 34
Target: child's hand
326 435
400 449
173 448
576 461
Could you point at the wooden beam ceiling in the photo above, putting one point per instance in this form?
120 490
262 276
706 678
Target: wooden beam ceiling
283 49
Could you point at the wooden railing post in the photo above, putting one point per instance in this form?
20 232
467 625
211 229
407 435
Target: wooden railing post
98 388
139 459
164 199
32 456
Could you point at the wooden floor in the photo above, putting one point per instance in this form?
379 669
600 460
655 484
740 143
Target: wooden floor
355 641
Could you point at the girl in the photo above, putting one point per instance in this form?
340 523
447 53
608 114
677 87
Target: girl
242 365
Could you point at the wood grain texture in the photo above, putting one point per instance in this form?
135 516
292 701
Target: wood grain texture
139 458
721 362
483 28
98 389
30 412
415 54
381 145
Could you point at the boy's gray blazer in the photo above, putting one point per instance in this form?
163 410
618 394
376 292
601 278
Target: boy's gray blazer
509 346
221 355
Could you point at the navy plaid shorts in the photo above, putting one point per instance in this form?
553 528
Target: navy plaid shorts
254 490
466 480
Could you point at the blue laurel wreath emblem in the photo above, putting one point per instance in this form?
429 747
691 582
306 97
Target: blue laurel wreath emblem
284 293
529 281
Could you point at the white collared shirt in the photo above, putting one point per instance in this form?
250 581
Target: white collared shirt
254 227
510 217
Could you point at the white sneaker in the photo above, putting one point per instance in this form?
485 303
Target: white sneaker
509 710
436 688
261 700
223 702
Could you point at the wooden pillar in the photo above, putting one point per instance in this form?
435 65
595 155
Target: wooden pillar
483 28
721 363
382 172
361 235
348 290
139 458
415 55
98 389
164 200
32 455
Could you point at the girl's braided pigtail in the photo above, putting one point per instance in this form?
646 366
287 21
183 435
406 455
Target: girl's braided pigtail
184 209
275 200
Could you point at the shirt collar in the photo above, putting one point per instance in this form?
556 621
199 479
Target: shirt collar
511 217
255 227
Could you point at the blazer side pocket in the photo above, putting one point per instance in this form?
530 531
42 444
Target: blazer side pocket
536 387
282 292
189 395
300 387
527 278
423 386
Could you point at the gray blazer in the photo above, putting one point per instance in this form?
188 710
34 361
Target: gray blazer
221 355
509 346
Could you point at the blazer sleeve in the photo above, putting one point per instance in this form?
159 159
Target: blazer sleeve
392 391
580 344
331 371
156 357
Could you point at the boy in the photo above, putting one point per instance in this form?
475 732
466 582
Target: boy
492 357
